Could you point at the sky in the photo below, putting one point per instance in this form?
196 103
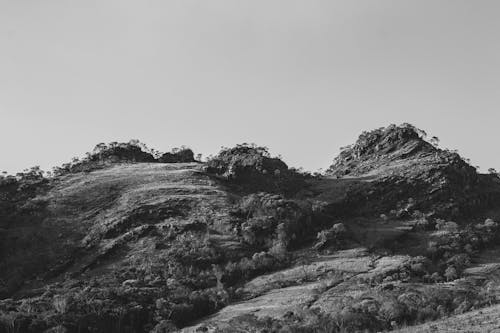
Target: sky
300 77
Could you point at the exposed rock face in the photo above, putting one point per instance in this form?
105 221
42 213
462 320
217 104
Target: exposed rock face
397 168
377 148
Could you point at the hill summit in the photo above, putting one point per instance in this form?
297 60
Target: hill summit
396 164
384 150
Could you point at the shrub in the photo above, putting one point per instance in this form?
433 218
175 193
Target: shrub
391 310
252 168
181 155
103 154
269 220
125 152
331 237
450 273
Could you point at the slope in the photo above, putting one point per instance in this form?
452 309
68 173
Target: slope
108 226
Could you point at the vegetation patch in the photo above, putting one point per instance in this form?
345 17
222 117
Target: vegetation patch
253 169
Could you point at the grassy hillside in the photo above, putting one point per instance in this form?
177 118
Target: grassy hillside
155 242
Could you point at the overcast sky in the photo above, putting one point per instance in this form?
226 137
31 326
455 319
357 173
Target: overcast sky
301 77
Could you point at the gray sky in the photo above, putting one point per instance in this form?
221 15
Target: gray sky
301 77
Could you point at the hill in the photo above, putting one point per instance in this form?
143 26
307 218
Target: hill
484 320
396 169
398 232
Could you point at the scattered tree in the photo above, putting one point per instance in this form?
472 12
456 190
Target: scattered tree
450 273
435 141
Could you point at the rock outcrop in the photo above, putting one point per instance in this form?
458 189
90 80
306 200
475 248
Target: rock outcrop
398 170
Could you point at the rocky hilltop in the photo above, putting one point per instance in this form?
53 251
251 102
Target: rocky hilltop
397 165
396 233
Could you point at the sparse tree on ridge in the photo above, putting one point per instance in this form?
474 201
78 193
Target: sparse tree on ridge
99 147
434 141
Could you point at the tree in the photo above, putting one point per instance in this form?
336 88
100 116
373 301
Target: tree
434 141
493 171
134 142
421 133
436 277
450 273
391 310
219 273
99 147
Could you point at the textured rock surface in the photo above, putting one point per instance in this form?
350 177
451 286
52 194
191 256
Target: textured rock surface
394 168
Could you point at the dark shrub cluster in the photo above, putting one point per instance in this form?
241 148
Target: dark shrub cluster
16 194
373 312
19 206
272 221
452 247
333 237
253 168
178 285
182 155
133 151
